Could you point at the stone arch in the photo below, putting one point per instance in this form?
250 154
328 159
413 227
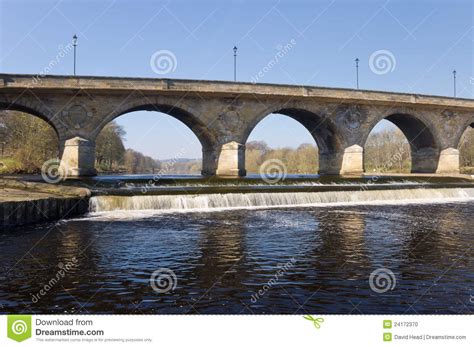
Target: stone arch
461 143
33 111
423 141
291 134
462 132
415 128
36 144
321 128
183 114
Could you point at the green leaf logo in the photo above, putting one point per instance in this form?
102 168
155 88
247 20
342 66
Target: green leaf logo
19 327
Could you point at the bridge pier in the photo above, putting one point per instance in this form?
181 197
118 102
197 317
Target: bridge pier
448 162
209 161
231 162
424 160
349 161
78 157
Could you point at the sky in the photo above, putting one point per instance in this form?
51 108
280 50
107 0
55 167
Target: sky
422 41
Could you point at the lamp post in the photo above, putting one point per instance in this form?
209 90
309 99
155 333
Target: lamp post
74 43
454 82
235 63
357 72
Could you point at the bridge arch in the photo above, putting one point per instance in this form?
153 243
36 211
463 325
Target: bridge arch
28 140
183 114
321 128
280 139
34 111
465 146
463 130
422 139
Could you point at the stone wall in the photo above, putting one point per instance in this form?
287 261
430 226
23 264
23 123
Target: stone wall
24 202
17 213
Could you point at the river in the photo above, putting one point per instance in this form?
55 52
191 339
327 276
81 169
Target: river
293 259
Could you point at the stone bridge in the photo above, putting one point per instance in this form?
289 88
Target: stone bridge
223 114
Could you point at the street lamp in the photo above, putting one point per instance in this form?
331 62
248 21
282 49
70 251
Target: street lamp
235 63
357 72
454 82
74 43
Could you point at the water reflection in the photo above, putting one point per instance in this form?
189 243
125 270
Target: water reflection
299 259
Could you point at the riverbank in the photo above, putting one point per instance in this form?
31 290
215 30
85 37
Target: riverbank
31 202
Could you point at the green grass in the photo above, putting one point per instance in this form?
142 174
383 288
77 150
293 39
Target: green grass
9 166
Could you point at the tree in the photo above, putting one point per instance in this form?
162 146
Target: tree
109 147
466 151
387 151
28 140
135 162
303 160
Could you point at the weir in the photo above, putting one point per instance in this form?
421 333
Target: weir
209 202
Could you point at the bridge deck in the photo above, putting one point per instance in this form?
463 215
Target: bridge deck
67 84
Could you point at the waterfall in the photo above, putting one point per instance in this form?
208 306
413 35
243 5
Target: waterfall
202 202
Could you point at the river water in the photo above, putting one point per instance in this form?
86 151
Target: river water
313 259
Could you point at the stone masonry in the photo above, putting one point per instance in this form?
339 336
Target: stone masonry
223 114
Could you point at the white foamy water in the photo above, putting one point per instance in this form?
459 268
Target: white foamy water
145 205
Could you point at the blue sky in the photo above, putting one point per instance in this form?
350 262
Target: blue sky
427 39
